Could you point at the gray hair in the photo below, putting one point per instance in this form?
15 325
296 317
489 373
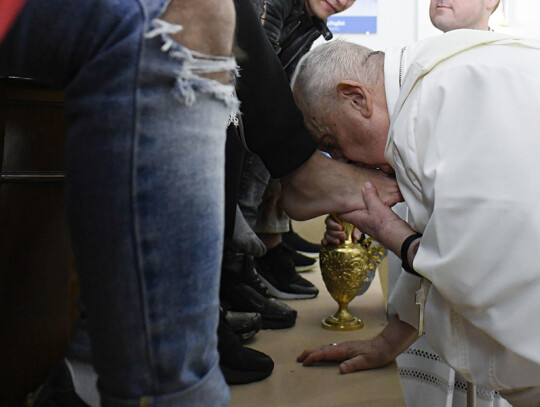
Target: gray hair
319 72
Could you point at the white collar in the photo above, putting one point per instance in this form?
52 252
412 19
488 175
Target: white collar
397 60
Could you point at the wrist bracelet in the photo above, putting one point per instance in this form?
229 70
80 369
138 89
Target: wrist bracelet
404 250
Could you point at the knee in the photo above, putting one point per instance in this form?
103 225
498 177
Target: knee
208 25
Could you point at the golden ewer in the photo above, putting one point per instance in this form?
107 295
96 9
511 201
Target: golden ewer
345 270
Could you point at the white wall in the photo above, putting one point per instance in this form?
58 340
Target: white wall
520 17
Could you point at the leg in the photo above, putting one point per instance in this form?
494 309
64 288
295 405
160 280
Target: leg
145 182
254 179
163 258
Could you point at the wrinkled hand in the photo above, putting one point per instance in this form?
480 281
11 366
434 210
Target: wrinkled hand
334 234
394 339
387 187
271 200
353 355
379 221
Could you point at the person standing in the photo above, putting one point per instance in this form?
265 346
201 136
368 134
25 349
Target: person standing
147 99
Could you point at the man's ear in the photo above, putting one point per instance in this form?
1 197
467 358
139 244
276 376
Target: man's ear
358 95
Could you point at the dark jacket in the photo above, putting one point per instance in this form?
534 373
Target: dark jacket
291 30
272 123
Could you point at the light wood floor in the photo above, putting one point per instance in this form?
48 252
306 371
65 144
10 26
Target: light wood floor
291 384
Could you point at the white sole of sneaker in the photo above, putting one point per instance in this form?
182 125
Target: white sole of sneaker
281 295
310 254
301 269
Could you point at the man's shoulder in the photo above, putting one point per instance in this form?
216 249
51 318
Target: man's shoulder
436 49
286 8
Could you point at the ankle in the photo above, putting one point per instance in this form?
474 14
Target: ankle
270 240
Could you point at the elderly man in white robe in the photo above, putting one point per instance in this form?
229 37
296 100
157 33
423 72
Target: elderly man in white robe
426 380
456 118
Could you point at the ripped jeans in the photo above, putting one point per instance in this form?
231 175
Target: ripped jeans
144 189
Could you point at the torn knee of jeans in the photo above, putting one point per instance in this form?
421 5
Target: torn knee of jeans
198 72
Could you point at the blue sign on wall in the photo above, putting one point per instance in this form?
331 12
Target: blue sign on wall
360 18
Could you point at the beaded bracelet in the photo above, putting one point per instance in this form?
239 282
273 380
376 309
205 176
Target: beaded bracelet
404 250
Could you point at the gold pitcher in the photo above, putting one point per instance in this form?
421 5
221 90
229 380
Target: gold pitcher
344 270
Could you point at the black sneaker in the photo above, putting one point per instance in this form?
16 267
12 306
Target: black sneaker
300 244
244 324
243 290
303 263
277 270
240 268
274 314
239 364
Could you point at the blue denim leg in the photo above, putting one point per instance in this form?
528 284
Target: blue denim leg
144 165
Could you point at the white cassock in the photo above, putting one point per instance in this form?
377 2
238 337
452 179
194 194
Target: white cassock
465 143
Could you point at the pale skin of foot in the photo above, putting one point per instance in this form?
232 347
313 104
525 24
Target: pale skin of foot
323 185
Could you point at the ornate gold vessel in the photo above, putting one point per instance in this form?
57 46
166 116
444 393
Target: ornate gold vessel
344 270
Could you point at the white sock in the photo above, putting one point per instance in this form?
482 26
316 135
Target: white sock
84 381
